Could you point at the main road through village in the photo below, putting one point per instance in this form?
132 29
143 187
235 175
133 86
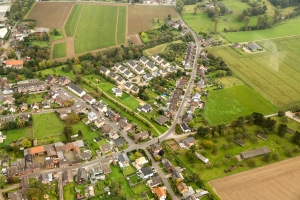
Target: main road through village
132 146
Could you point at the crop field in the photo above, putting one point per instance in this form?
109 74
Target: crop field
59 50
140 18
286 28
50 14
275 73
227 104
276 181
121 34
72 21
102 33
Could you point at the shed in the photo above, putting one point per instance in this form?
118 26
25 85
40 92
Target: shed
255 152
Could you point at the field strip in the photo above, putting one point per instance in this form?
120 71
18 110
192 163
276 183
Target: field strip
126 32
116 33
79 20
63 28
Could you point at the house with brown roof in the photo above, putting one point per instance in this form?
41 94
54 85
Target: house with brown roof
154 181
113 116
182 187
23 107
63 163
105 148
88 98
161 120
64 80
49 163
124 125
106 128
168 166
99 122
141 136
160 192
35 167
16 64
30 85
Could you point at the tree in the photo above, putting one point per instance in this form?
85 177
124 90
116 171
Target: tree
79 133
202 131
277 15
281 113
207 144
72 118
36 190
282 130
161 153
179 6
216 20
169 17
2 181
195 177
68 132
246 22
251 162
26 143
195 10
215 150
266 157
296 138
78 79
55 32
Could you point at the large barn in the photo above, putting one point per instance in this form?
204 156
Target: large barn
255 152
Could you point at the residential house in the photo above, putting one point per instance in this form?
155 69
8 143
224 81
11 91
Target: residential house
161 192
99 122
154 57
51 79
164 64
161 120
154 181
124 125
64 80
182 187
13 109
189 193
186 118
82 176
74 88
143 60
96 173
105 148
122 70
23 107
150 66
41 30
67 177
100 107
46 104
139 70
86 155
254 47
164 72
132 64
2 137
156 73
148 77
35 167
168 166
113 135
117 91
88 98
188 142
156 148
120 80
172 69
63 163
44 178
191 109
35 106
113 75
139 162
113 116
8 100
169 113
118 142
64 113
106 169
16 64
128 85
134 89
146 172
49 163
141 136
104 70
145 108
128 74
106 128
31 85
202 71
92 116
117 66
176 175
185 128
123 160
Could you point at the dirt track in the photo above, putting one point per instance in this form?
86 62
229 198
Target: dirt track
278 181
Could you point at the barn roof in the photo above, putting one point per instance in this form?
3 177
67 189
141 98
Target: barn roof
255 152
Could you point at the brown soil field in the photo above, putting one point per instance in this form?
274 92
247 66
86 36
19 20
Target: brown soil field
173 145
136 40
50 14
140 18
278 181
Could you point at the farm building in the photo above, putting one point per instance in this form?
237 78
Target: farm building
255 152
202 158
41 30
254 47
3 32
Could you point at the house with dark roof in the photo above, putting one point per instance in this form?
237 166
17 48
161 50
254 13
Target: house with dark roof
105 148
117 91
106 128
118 142
122 70
117 66
154 181
113 116
143 60
86 155
82 176
150 66
67 177
148 77
255 152
134 89
164 64
120 80
146 172
254 47
141 136
124 125
104 70
127 73
168 166
124 160
185 128
75 89
132 64
139 70
147 108
155 148
161 120
64 80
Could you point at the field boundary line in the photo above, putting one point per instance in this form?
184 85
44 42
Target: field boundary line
116 33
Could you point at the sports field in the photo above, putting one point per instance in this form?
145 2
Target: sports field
272 182
275 73
286 28
59 50
227 104
103 30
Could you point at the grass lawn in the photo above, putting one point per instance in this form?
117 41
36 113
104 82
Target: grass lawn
45 125
60 50
35 98
145 37
98 36
229 81
142 189
72 21
15 134
288 121
159 48
40 43
227 104
56 37
69 191
57 72
129 170
118 176
121 25
285 28
134 178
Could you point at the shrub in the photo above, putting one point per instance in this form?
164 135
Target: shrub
251 162
266 158
275 156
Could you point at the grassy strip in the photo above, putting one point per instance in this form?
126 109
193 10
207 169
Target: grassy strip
72 21
56 37
121 25
60 50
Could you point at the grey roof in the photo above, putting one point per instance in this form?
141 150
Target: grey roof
82 174
161 120
86 155
111 114
253 46
75 87
144 59
118 141
184 126
188 140
146 76
112 74
255 152
123 157
147 171
127 72
122 69
134 88
117 65
164 62
150 64
131 63
138 68
103 69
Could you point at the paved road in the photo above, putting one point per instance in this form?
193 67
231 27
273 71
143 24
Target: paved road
291 115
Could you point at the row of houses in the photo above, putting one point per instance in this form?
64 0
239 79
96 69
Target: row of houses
188 60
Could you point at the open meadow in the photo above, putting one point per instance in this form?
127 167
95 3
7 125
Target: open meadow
285 28
272 182
50 14
59 50
224 105
45 125
274 73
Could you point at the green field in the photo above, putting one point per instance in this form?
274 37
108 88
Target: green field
12 135
59 50
47 124
56 37
72 21
35 98
227 104
273 73
57 72
39 43
286 28
159 48
100 34
121 25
